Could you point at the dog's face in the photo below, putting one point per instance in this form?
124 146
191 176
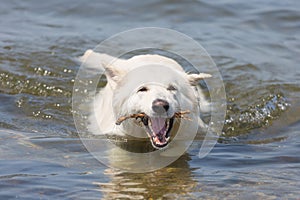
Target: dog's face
155 92
158 103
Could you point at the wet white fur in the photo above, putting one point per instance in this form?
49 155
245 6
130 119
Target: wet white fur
120 97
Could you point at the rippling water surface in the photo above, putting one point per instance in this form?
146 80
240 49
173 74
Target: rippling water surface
256 46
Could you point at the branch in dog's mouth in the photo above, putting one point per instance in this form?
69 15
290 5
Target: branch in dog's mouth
180 114
157 128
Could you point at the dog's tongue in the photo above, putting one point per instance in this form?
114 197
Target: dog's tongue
158 125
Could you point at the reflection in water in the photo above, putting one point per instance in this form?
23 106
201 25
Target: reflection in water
61 167
163 183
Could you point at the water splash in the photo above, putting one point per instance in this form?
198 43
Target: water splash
261 114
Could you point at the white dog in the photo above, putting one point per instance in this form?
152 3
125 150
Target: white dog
146 95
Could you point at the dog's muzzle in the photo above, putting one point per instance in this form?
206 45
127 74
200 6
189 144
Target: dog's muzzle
159 125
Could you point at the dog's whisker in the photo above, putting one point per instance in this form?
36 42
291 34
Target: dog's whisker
180 114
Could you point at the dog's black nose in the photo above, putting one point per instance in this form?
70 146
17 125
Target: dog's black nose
160 106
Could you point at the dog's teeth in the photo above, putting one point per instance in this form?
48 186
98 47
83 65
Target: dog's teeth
167 126
168 123
150 127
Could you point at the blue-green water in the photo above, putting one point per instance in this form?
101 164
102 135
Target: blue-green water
256 46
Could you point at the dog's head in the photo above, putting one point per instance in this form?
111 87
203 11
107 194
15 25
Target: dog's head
152 95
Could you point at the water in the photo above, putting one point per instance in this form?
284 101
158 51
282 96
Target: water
256 46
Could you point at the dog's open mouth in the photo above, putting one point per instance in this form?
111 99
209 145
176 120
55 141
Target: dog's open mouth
157 128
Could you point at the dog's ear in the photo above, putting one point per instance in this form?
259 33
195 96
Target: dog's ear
195 78
113 74
100 61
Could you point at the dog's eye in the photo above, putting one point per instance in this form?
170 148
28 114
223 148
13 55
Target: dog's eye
171 88
143 89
